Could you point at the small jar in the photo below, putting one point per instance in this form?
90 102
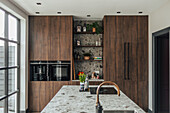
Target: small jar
78 43
97 43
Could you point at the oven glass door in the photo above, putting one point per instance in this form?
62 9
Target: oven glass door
60 72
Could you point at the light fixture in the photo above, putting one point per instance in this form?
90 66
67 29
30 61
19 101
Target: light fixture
38 3
59 12
37 12
140 12
118 12
88 15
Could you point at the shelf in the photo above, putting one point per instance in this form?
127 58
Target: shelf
88 46
85 33
91 60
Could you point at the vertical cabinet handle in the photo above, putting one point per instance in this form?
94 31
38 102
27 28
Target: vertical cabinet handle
125 61
128 63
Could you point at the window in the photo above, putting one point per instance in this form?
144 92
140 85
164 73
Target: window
9 63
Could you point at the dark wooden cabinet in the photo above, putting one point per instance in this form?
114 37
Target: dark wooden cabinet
50 38
39 38
126 55
61 38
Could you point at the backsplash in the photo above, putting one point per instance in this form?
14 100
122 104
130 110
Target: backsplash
88 67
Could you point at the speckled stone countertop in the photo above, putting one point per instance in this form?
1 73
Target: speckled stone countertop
70 100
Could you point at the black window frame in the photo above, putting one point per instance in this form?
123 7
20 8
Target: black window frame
6 67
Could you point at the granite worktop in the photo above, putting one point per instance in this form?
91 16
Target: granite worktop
70 100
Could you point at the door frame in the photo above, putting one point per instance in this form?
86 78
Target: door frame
154 76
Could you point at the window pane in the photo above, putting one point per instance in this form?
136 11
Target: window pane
12 52
2 23
12 28
12 74
2 89
2 106
12 104
2 83
2 53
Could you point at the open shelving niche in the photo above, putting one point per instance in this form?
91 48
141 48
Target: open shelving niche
88 40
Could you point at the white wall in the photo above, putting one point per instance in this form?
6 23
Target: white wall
8 6
159 20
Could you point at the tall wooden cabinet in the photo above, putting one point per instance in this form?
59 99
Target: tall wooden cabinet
126 55
50 39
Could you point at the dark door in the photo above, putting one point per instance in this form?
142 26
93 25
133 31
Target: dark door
161 46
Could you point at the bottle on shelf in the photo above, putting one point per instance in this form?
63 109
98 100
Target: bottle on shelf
78 56
100 42
86 85
84 27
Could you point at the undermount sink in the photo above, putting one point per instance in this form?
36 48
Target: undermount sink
103 90
119 111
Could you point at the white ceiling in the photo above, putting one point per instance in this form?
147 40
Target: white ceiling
96 8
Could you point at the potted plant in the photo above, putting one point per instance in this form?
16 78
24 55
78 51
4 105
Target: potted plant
82 78
95 28
87 56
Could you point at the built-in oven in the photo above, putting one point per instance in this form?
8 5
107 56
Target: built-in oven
38 71
50 70
60 71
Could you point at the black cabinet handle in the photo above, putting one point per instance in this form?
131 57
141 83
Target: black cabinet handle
128 62
125 61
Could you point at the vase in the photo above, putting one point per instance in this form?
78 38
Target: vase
94 29
81 86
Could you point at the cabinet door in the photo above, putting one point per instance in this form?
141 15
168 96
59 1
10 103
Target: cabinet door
39 41
65 40
61 38
131 86
55 37
142 60
109 49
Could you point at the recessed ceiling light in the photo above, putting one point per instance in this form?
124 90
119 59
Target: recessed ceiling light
140 12
38 3
59 12
37 12
88 15
118 12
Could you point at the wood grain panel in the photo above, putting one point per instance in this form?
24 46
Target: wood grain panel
127 55
39 38
54 38
143 62
34 96
50 38
109 54
42 94
120 52
65 38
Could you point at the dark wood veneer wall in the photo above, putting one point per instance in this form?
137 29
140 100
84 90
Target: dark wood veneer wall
126 55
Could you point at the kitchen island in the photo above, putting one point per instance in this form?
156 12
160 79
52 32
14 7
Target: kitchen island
70 100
